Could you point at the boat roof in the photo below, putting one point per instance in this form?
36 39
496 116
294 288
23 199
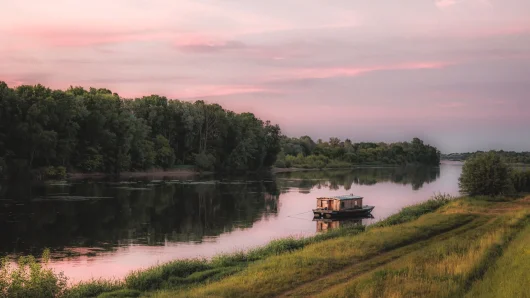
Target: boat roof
347 197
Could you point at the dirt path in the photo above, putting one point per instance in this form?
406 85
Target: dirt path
346 274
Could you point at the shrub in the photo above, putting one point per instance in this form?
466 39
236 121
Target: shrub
54 173
280 161
205 161
30 279
486 174
521 180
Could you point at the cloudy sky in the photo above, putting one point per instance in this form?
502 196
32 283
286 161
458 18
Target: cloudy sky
453 72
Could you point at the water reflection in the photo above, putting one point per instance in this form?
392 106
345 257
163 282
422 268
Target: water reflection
113 214
110 228
325 224
415 176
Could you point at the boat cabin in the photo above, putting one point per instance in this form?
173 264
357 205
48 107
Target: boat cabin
338 203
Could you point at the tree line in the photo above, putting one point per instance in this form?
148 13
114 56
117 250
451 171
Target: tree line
305 153
96 130
507 156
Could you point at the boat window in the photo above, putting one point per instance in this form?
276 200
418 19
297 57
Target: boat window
341 204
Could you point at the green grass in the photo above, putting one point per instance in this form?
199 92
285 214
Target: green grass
444 247
415 211
436 249
510 276
93 288
277 274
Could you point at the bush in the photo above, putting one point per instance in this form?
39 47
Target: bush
205 161
280 161
486 174
521 180
54 173
30 279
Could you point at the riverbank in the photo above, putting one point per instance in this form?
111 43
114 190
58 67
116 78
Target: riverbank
183 173
437 248
442 247
352 167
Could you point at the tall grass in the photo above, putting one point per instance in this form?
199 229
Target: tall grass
442 268
189 272
186 272
510 276
415 211
28 278
94 288
280 273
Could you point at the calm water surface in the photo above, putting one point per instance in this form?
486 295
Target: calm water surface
106 229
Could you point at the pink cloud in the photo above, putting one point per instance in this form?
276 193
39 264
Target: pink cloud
445 3
62 37
509 30
200 45
452 105
322 73
219 90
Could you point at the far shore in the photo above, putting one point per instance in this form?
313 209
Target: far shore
184 173
159 173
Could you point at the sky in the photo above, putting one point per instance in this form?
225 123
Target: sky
455 73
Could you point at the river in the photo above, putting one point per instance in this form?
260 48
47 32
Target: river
105 229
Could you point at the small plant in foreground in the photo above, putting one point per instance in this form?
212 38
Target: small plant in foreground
28 278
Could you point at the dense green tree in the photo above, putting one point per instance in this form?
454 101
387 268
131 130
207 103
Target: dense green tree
507 156
165 157
296 152
96 130
486 174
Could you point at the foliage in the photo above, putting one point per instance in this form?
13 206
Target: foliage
415 211
205 161
305 153
30 279
54 172
155 277
165 156
93 288
507 156
521 180
96 130
486 174
416 176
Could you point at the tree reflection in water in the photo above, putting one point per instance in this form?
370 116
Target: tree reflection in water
107 215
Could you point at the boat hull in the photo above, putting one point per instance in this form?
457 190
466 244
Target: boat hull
365 210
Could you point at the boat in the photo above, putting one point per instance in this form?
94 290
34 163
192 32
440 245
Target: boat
341 206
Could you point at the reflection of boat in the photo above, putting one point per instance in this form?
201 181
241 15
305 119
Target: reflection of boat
341 206
325 224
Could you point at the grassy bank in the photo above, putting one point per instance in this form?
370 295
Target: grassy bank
439 248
